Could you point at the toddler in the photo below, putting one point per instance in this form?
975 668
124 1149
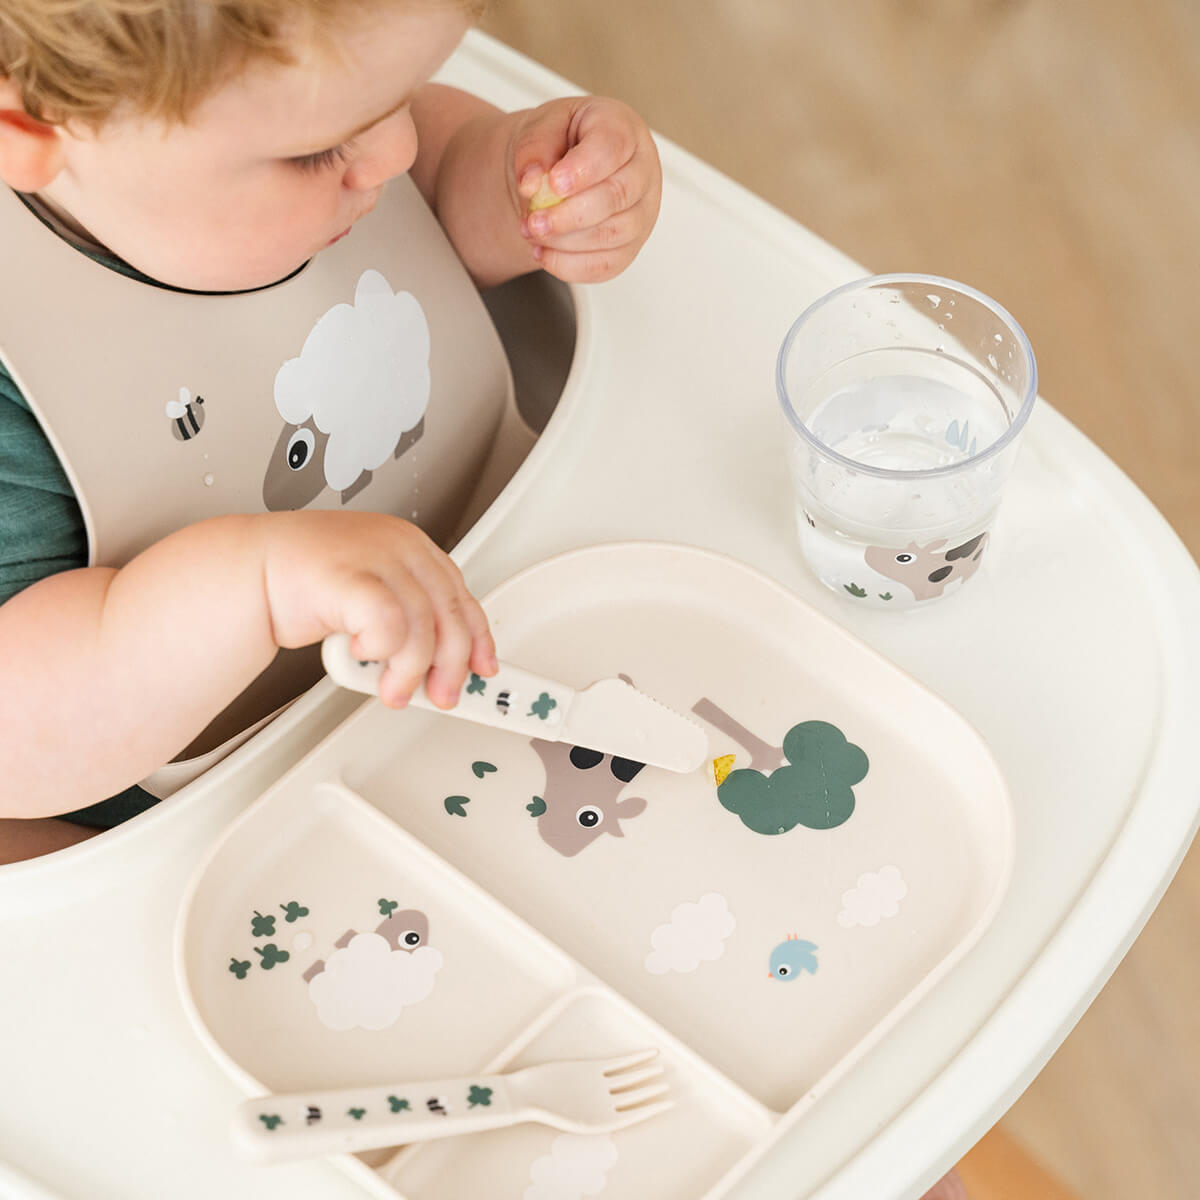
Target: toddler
180 180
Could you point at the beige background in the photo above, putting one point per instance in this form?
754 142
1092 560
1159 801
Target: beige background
1047 152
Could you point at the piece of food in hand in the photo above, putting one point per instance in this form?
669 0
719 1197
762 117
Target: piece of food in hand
545 196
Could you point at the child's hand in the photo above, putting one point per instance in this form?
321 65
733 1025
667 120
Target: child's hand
602 161
383 581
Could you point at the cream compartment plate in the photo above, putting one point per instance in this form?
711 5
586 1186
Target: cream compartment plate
424 897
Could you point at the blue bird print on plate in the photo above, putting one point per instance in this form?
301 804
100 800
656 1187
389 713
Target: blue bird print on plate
791 957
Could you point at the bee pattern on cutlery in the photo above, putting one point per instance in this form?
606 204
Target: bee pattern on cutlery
504 702
435 1104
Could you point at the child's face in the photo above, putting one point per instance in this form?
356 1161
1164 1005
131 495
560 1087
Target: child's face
230 200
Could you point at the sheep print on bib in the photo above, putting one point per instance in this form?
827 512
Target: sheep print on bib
370 379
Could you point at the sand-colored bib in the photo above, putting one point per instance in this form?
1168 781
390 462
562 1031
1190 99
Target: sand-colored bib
370 379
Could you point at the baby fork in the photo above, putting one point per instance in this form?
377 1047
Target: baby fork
583 1096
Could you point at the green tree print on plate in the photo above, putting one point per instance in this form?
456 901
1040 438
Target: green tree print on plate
815 789
542 707
387 907
476 686
356 1113
239 967
537 808
270 1120
396 1104
480 769
479 1095
293 910
456 806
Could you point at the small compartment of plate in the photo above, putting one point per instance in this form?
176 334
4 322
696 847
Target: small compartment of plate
324 947
684 1151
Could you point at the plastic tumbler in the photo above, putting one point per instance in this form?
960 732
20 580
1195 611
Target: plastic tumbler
906 396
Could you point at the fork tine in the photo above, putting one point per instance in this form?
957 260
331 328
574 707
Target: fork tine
637 1115
637 1099
635 1059
628 1080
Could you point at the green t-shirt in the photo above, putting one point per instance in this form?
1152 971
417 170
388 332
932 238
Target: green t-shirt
42 532
41 527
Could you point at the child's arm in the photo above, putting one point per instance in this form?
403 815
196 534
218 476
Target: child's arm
108 673
478 167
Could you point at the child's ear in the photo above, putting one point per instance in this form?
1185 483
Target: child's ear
31 152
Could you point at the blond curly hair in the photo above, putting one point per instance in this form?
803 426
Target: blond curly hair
82 60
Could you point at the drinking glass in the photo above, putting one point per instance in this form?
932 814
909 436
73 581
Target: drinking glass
906 396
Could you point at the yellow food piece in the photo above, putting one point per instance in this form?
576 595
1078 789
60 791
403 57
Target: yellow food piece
722 766
545 196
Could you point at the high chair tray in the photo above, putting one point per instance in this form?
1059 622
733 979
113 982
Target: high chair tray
1075 651
761 921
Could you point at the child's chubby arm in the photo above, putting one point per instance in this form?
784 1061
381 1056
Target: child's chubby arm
479 168
109 673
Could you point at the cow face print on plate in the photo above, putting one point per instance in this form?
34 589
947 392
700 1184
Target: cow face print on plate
623 768
581 795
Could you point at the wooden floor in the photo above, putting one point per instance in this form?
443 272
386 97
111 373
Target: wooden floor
1047 152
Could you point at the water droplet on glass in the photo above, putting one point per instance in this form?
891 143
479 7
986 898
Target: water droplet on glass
997 337
208 479
942 328
992 359
934 300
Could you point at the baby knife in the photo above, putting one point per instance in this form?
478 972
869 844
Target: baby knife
610 716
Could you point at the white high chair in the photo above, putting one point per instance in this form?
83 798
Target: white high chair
1076 655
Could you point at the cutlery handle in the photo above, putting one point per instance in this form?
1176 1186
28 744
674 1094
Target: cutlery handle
282 1128
511 699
